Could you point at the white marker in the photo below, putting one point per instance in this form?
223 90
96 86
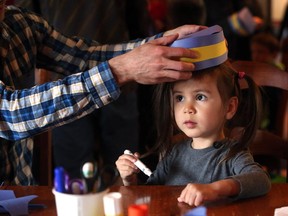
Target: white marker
140 165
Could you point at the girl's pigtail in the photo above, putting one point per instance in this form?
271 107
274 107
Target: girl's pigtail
253 101
251 107
247 116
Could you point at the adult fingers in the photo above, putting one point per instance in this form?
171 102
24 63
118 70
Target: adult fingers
173 53
172 76
184 30
164 41
177 65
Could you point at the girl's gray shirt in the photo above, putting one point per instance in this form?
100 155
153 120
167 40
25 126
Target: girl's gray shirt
185 165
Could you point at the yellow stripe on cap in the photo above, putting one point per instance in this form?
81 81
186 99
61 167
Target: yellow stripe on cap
208 52
210 44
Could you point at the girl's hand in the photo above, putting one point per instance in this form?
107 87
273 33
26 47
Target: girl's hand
127 168
198 194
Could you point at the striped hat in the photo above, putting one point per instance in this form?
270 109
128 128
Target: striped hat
210 44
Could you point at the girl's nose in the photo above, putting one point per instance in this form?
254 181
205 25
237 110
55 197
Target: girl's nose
189 109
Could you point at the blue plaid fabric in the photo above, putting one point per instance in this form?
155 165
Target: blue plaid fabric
27 112
29 42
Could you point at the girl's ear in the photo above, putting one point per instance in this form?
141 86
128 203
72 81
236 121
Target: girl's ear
232 106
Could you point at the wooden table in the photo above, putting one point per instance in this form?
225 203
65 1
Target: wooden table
162 201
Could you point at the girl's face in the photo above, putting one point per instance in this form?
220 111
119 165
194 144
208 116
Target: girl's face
198 108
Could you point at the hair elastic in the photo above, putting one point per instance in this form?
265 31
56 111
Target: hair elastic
241 74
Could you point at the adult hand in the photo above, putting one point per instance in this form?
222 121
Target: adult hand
156 62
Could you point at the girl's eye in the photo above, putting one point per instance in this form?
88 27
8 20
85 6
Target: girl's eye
201 97
179 98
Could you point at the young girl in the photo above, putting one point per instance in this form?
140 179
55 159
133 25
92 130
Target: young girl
210 163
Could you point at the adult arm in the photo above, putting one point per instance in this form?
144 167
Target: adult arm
44 47
27 112
61 54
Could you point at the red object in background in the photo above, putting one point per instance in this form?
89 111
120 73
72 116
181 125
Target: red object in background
157 9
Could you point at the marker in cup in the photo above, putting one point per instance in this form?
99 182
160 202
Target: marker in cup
140 164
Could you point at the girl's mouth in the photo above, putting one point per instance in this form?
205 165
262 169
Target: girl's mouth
190 124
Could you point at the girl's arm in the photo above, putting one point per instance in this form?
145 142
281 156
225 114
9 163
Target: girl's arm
249 180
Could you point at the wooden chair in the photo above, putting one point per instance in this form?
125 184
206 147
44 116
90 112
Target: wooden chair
42 159
265 142
42 152
271 144
269 75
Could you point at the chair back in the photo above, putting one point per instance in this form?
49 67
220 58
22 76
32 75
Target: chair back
270 76
42 153
265 142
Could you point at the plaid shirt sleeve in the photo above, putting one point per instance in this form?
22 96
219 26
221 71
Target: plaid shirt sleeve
27 112
29 41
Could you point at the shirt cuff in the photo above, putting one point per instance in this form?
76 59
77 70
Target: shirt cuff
101 84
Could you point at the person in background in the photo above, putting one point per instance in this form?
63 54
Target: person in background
265 48
29 42
240 19
211 164
116 126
